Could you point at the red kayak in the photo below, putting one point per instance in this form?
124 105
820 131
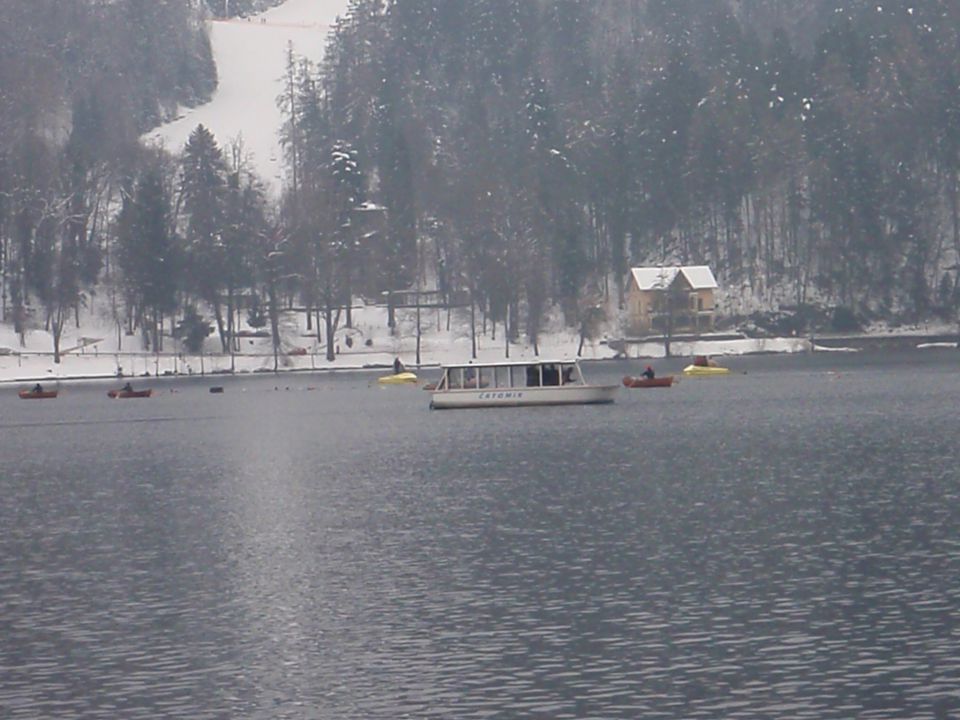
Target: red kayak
44 395
642 382
130 393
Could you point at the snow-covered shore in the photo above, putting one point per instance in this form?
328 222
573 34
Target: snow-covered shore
95 350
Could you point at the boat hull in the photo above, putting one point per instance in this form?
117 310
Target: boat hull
30 395
128 394
642 382
404 378
523 397
701 371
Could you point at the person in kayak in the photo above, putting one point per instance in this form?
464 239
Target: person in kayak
127 388
398 366
37 389
649 374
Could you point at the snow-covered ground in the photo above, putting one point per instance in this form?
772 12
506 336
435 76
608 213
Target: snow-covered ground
96 350
251 56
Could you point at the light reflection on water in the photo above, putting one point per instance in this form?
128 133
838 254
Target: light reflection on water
776 544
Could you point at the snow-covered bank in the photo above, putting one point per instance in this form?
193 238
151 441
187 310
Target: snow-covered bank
738 346
97 352
251 56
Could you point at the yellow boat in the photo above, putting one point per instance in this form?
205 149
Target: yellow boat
700 370
403 378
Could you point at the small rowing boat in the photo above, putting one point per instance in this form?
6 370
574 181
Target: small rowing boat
42 395
403 378
642 382
125 394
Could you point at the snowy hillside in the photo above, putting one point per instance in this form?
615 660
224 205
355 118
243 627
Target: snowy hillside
251 55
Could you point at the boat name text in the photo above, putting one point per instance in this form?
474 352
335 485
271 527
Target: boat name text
501 395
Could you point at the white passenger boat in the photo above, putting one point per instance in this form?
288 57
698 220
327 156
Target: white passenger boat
517 384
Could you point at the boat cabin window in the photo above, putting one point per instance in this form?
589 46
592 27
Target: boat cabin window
534 375
551 374
548 374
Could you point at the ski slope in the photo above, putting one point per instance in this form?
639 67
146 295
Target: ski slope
251 58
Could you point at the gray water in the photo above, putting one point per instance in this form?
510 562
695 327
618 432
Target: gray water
780 543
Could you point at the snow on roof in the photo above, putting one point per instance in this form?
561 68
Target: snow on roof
700 277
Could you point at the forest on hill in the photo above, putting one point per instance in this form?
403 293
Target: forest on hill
522 153
807 150
80 81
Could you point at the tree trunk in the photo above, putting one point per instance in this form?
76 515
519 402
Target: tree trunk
274 323
57 330
328 321
473 327
155 331
231 328
506 332
218 313
349 293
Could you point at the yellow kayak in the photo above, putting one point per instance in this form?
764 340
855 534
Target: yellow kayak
705 371
398 379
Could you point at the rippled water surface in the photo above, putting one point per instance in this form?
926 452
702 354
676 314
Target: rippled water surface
780 543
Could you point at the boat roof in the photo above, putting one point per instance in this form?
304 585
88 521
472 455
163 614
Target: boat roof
512 363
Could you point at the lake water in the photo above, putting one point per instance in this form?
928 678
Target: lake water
780 543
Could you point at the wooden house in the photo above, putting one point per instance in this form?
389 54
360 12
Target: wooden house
671 299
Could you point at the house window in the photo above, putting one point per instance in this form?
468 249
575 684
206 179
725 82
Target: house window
700 304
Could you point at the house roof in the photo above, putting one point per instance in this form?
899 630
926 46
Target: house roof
700 277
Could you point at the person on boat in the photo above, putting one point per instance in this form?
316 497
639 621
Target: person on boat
37 389
533 376
551 375
398 366
701 361
648 374
127 388
568 375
